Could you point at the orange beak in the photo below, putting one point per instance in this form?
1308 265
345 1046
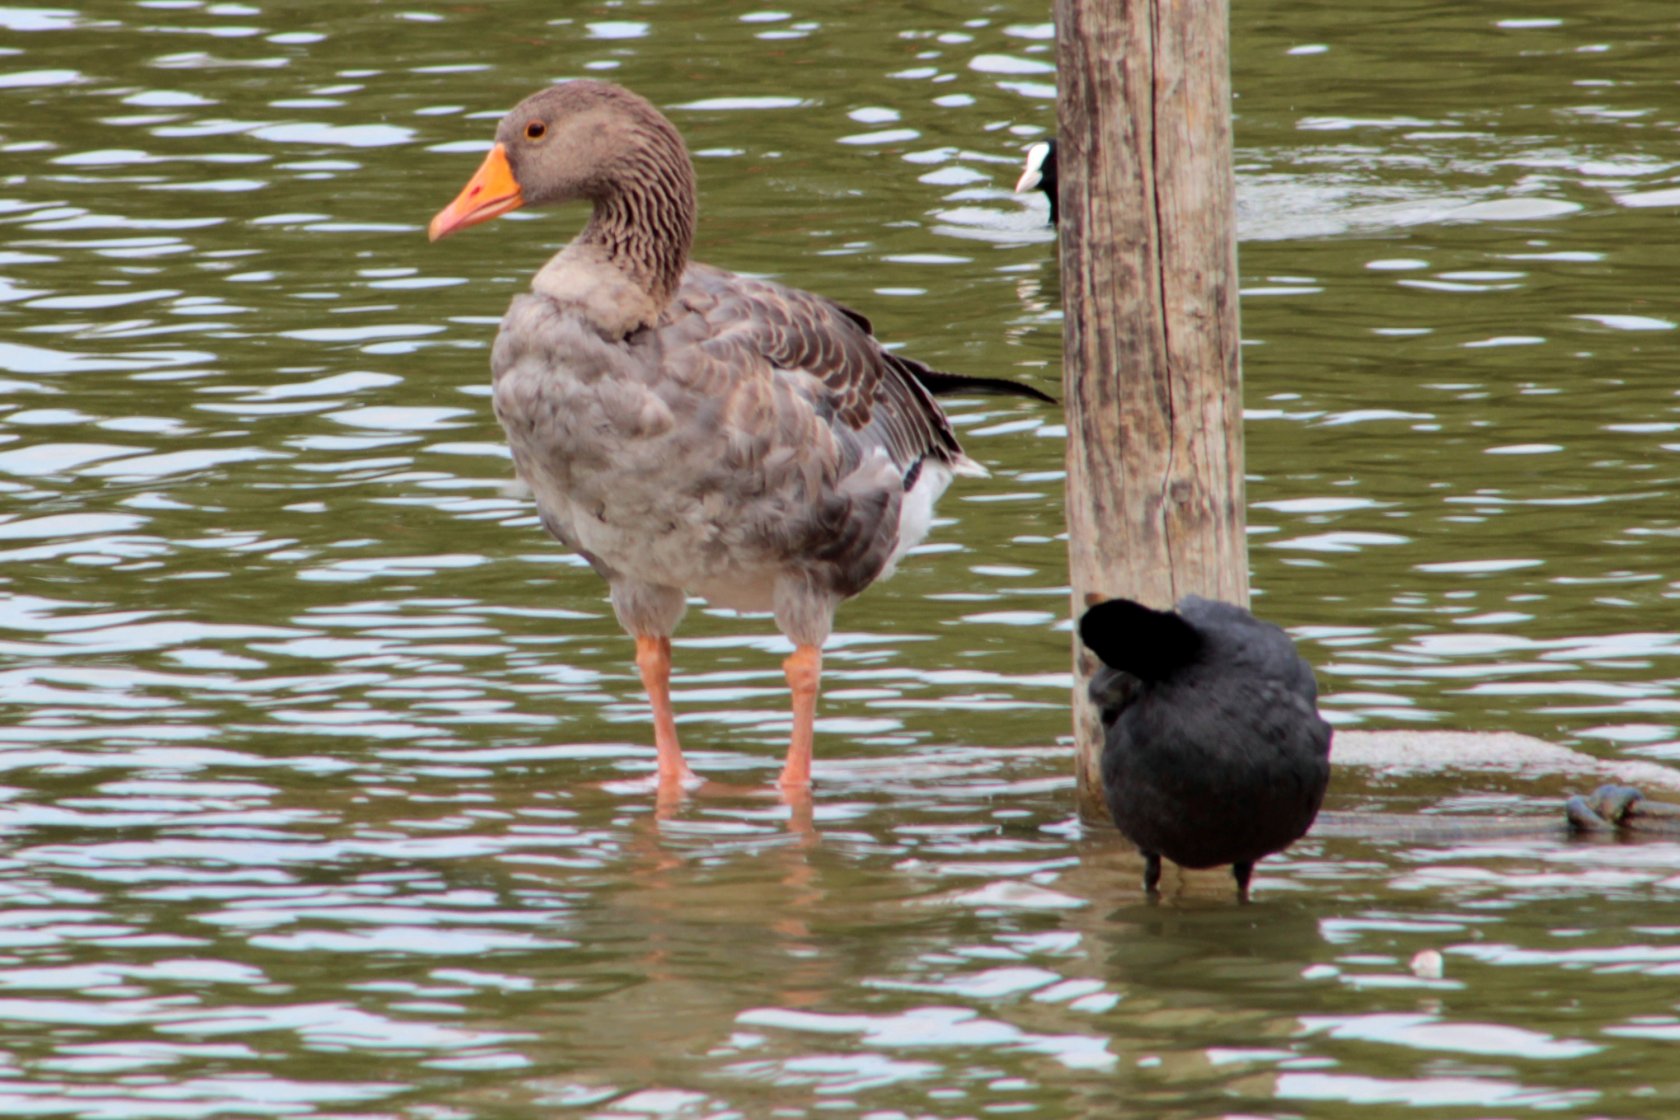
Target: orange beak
491 192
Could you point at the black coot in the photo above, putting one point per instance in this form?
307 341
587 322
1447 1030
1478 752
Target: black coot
1038 173
1214 751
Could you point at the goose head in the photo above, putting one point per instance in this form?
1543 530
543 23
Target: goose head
600 143
582 140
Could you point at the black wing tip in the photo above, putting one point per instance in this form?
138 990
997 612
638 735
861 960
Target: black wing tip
942 384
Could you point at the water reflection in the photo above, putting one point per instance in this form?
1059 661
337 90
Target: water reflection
311 788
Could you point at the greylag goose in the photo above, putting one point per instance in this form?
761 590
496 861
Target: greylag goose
687 430
1038 173
1214 751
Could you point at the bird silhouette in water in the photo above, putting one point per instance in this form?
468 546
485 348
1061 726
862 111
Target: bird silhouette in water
1038 173
1213 748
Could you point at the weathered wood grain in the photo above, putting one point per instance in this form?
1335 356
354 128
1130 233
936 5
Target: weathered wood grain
1155 496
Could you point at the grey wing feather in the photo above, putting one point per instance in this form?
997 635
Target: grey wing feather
865 388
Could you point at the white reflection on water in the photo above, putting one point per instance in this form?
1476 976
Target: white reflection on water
317 752
937 1027
1426 1032
1431 1092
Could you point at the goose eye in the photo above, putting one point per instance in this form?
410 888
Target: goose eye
535 130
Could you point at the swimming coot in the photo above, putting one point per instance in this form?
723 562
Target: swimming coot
1038 173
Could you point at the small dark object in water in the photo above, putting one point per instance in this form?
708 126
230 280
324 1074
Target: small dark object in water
1214 751
1620 809
1039 173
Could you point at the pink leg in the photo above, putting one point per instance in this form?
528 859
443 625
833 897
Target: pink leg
804 672
653 658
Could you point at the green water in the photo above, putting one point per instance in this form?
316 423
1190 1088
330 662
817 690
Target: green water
314 746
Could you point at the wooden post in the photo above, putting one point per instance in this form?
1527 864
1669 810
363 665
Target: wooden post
1155 503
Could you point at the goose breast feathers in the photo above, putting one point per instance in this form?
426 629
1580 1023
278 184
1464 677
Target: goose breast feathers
753 433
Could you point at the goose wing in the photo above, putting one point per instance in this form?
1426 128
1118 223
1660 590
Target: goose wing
865 393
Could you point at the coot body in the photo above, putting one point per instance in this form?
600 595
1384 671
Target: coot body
1214 752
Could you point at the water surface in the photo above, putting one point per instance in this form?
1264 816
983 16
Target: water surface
314 754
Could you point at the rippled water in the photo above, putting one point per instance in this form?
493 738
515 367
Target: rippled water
314 747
